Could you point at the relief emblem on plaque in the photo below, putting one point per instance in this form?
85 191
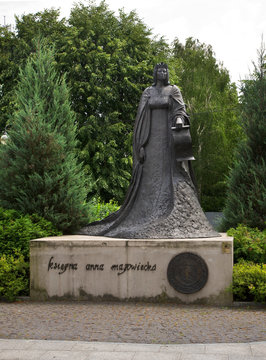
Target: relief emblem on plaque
187 273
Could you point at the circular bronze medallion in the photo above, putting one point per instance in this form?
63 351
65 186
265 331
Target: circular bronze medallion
187 273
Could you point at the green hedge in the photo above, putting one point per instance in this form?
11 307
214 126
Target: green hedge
14 276
249 282
17 230
249 244
249 273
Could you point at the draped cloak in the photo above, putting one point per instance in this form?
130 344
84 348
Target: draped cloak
161 201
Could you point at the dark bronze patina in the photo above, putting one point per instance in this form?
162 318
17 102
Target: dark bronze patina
161 201
187 273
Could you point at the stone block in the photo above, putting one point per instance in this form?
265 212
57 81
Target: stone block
86 267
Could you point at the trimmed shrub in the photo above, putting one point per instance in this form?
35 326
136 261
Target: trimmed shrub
14 276
249 244
249 282
17 230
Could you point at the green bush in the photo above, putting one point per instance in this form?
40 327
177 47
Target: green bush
249 282
249 244
14 276
99 210
17 230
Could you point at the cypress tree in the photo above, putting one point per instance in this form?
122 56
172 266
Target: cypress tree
246 198
39 171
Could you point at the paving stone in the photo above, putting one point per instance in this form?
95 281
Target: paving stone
82 346
14 344
138 347
143 323
21 354
110 356
239 349
51 345
129 351
156 356
186 348
258 349
64 355
203 357
245 357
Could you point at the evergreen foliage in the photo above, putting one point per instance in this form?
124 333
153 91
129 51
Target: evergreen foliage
39 172
16 47
246 198
8 73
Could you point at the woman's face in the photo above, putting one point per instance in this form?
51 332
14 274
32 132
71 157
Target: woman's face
161 74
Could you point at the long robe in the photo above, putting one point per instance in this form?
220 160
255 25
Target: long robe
161 201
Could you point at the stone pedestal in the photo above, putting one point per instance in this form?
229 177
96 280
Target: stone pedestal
86 267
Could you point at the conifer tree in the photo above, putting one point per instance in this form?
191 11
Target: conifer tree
39 171
246 198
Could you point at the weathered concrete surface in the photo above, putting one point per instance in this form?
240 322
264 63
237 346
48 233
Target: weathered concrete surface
86 267
78 350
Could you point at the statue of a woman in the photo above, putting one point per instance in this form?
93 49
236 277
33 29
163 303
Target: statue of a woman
161 201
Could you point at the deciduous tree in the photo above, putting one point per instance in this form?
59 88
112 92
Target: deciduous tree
212 104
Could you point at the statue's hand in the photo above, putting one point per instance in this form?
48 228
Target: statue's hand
141 155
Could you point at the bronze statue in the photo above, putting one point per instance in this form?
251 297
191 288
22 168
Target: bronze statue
161 201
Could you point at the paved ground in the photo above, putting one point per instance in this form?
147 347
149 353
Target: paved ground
131 323
78 350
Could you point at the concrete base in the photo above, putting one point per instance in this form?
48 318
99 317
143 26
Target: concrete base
86 267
